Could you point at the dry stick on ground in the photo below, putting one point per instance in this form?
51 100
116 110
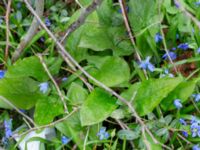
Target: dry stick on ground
164 41
54 82
48 125
20 112
128 28
39 4
7 30
65 54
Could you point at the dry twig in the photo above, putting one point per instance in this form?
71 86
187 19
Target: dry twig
54 82
39 4
7 30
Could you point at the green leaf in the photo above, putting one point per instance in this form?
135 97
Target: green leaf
141 13
96 38
22 92
97 107
100 38
105 12
71 127
182 92
28 67
127 134
47 109
54 64
112 72
76 94
150 93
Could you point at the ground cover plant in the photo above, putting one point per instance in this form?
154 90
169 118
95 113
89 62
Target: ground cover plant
99 74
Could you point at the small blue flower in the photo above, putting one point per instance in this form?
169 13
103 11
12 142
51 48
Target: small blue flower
19 5
1 20
158 38
2 73
23 111
177 36
196 147
195 129
103 135
184 133
182 121
147 65
127 10
183 46
176 4
8 128
65 140
197 3
173 48
192 30
172 55
64 79
47 22
198 50
42 39
177 103
196 97
44 87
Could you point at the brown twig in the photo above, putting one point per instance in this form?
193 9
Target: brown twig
54 82
164 41
7 30
130 33
39 4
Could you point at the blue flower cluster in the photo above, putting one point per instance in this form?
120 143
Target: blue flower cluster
196 147
103 135
8 130
195 127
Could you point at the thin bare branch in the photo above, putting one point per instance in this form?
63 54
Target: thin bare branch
39 4
14 107
54 82
48 125
128 28
7 30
